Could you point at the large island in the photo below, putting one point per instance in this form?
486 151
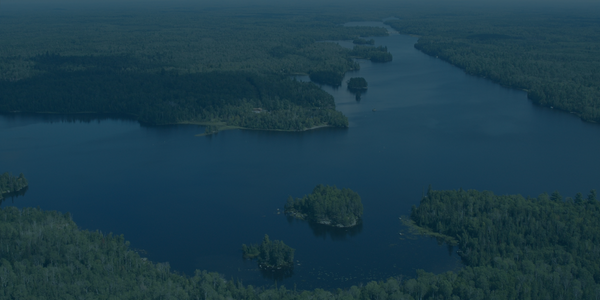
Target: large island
327 205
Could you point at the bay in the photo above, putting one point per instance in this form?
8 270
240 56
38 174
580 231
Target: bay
192 201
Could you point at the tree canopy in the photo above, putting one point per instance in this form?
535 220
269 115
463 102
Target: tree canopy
202 68
270 254
357 84
327 205
553 56
512 247
375 54
12 184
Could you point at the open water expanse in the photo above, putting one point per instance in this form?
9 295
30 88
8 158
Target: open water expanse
192 201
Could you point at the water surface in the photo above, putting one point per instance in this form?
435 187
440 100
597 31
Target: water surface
192 201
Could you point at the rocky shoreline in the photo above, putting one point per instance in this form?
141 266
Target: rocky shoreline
327 222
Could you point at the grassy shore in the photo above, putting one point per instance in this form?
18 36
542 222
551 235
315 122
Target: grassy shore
222 126
417 230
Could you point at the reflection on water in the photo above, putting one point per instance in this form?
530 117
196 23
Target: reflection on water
13 195
335 233
357 94
277 275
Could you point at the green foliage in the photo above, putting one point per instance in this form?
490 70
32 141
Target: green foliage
190 41
327 205
270 254
519 248
513 248
357 84
186 67
554 57
167 97
375 54
331 78
12 184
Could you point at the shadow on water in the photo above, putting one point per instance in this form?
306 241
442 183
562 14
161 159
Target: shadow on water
13 195
335 233
357 94
277 275
274 274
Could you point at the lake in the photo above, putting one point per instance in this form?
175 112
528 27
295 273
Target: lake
193 201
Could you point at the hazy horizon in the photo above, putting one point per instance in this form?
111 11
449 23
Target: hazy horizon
438 6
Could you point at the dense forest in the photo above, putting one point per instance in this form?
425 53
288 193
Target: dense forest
168 97
553 56
270 254
331 78
375 54
327 205
203 68
12 184
519 248
334 78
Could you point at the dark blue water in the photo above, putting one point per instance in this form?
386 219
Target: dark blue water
192 201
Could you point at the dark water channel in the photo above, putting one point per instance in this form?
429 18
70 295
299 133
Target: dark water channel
192 201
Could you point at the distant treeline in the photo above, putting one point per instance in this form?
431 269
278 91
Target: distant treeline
334 78
209 67
375 54
12 184
106 85
554 57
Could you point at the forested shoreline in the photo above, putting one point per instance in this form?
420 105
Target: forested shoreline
168 97
512 247
557 67
207 70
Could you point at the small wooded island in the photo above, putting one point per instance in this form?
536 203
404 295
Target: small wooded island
12 184
357 84
327 205
270 254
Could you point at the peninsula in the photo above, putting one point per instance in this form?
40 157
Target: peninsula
327 205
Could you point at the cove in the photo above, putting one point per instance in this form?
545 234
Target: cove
192 201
